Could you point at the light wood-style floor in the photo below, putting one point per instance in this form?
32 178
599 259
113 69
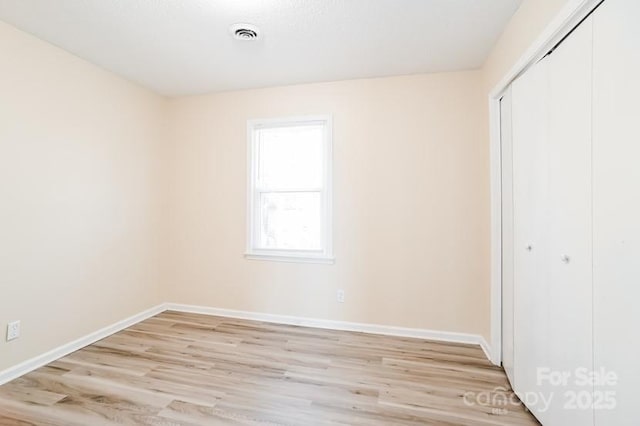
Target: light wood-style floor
188 369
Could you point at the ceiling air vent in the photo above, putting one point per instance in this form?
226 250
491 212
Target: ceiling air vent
244 32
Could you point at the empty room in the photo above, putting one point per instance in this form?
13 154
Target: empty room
319 212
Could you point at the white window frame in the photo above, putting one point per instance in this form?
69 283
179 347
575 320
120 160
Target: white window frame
325 254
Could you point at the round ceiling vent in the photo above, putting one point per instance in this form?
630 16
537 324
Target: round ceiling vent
244 32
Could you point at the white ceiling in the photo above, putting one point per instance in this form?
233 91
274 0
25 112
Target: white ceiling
179 47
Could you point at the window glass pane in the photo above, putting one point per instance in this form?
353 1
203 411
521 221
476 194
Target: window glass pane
290 220
290 157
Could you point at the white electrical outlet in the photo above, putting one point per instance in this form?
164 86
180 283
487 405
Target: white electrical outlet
340 296
13 330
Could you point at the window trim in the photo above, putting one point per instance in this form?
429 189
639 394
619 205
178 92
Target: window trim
324 255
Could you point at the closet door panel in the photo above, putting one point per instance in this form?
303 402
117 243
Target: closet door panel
569 256
616 203
531 293
507 234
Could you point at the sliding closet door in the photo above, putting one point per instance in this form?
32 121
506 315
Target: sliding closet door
569 257
531 292
506 153
616 214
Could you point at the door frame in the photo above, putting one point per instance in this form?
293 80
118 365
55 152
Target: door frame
564 22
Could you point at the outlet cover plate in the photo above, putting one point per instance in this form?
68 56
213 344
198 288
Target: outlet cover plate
13 330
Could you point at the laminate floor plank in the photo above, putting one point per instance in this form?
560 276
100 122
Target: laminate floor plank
189 369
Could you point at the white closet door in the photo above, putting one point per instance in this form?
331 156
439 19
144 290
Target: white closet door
531 293
507 234
569 257
616 203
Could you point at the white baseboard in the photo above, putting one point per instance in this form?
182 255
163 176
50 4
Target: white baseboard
486 348
59 352
443 336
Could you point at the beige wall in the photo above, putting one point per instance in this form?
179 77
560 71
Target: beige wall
411 196
524 27
79 165
91 167
410 205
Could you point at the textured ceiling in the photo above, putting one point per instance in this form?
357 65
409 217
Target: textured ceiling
179 47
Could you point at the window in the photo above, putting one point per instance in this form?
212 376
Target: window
289 200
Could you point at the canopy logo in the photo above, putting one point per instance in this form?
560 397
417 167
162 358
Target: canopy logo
579 389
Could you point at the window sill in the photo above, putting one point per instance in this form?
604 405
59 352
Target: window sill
290 258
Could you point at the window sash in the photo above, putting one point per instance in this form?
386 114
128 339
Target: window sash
255 247
283 190
259 245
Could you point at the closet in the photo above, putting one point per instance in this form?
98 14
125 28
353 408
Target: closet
571 225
